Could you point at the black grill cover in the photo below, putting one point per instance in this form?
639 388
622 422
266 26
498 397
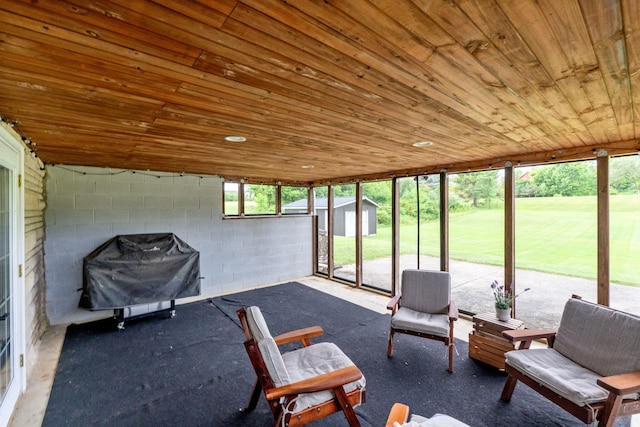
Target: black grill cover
139 269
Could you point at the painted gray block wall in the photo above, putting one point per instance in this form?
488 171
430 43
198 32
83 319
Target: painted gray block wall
87 206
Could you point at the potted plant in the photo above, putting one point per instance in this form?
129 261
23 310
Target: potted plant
503 300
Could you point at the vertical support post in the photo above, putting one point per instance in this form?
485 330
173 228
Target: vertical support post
395 236
444 221
241 198
358 234
311 209
603 227
509 231
278 199
224 210
330 232
417 178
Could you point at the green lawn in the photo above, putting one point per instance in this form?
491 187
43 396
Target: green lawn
554 235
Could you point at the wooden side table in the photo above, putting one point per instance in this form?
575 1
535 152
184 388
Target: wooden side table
486 343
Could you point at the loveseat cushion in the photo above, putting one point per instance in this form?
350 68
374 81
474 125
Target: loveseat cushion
312 361
558 373
599 338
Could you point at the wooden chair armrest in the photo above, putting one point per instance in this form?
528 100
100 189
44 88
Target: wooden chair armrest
526 336
394 302
516 335
453 311
304 335
327 381
399 413
621 384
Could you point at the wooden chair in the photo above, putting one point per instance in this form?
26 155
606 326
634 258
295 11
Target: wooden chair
424 308
297 393
400 414
591 368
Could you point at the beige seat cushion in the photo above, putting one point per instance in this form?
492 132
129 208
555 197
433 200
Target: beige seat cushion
312 361
558 373
438 420
268 348
434 324
299 364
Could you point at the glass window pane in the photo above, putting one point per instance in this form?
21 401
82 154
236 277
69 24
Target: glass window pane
320 204
429 222
6 369
476 237
344 232
556 239
624 205
294 200
230 198
376 235
408 189
259 199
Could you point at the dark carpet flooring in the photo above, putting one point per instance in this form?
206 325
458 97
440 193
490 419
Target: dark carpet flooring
192 370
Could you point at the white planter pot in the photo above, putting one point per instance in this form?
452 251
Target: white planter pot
503 314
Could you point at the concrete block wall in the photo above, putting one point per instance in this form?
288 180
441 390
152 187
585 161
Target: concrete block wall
87 206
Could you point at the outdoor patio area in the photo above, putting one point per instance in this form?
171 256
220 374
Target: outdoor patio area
32 405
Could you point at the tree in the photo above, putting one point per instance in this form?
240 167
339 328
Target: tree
477 186
565 179
625 174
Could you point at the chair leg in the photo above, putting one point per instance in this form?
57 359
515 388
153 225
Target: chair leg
611 409
451 347
390 345
349 413
255 395
509 386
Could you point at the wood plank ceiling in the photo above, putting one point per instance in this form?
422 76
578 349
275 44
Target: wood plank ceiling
344 86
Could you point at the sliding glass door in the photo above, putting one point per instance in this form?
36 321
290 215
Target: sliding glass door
11 311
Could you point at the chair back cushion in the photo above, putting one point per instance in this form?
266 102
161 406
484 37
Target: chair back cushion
426 291
601 339
271 356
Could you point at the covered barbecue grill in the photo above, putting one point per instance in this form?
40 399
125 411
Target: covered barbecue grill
130 270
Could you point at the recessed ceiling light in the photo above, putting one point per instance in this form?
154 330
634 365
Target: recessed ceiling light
422 143
235 138
307 167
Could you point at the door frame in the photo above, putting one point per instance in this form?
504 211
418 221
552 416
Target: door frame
12 158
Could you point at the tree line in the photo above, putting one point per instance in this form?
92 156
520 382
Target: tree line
420 196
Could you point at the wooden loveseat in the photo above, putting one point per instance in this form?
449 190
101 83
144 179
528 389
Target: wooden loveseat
592 365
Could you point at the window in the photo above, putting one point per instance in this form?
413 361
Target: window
231 204
294 200
476 237
259 199
242 199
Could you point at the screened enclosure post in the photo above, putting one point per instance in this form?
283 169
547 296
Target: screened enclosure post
311 209
603 227
358 234
314 244
417 178
444 221
395 236
509 231
241 198
330 232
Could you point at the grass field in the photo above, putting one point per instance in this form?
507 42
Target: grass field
553 235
